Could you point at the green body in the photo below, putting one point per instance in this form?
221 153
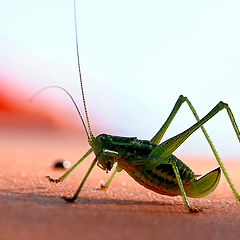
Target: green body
134 157
160 178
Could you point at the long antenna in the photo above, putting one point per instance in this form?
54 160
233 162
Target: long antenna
79 70
75 104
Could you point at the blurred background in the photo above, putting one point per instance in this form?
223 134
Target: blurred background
137 57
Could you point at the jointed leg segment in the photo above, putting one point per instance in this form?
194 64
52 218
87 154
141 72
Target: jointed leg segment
72 199
169 146
180 184
70 170
150 164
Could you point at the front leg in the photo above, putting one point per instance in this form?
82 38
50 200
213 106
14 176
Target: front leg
72 199
60 179
104 154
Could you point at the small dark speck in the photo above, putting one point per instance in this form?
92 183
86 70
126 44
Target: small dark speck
61 164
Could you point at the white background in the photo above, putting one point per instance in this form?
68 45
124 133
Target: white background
137 57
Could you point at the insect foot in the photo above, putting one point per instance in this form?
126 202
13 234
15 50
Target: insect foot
69 199
194 210
53 180
103 187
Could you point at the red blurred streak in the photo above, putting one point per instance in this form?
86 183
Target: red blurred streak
17 111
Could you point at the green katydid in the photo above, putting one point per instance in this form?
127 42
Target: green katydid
151 162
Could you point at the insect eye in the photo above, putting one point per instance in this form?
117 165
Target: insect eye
101 140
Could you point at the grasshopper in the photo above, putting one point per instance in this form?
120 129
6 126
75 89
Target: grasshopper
151 163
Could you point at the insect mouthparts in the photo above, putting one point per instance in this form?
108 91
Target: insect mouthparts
109 165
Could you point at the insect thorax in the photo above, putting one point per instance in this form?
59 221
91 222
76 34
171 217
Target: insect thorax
127 148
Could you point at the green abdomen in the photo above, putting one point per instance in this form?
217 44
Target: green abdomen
162 178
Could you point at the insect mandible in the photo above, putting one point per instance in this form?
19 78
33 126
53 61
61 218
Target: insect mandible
151 163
